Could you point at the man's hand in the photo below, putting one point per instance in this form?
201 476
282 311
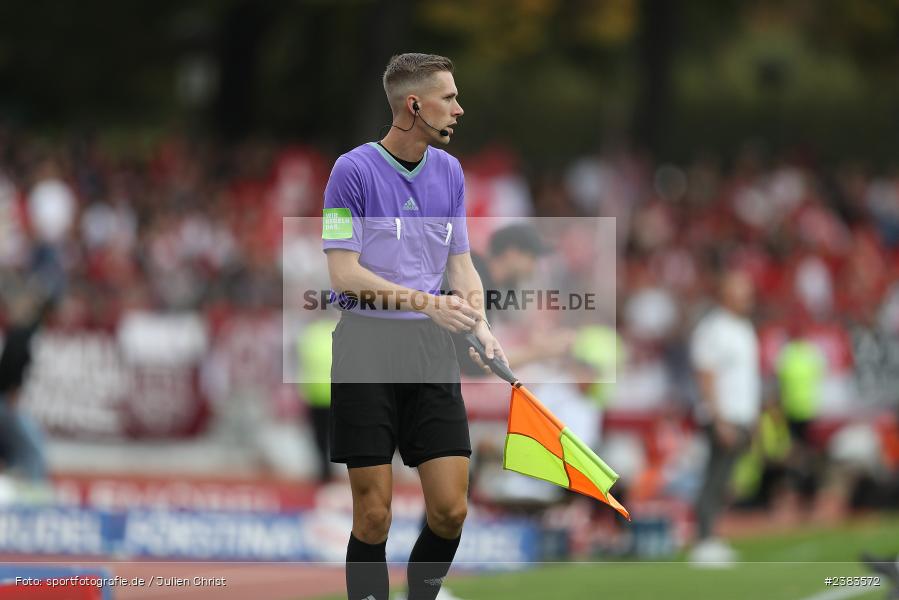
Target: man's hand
452 313
491 347
728 434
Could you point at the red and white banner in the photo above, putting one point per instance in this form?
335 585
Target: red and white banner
116 493
141 381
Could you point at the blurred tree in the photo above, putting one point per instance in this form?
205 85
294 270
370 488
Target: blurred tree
243 31
657 44
551 78
545 76
91 62
772 76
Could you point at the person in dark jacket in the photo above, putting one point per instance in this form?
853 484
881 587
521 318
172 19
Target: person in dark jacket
21 440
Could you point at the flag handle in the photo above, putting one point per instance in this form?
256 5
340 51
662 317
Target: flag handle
496 365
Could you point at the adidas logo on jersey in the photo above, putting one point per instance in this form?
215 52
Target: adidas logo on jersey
410 204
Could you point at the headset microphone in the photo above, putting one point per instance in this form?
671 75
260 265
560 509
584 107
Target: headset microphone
442 132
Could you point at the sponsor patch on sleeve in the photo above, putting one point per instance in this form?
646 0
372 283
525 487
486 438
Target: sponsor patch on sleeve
337 224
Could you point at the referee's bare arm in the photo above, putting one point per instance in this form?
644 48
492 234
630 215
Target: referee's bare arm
449 312
464 279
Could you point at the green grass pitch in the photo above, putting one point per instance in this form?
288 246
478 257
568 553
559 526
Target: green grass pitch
789 566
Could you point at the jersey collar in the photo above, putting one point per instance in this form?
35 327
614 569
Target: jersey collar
409 175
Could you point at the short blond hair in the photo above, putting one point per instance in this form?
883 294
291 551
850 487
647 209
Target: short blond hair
405 71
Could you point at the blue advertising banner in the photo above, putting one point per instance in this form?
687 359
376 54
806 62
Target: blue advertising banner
313 536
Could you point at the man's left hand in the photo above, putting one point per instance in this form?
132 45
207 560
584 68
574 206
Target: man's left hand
491 346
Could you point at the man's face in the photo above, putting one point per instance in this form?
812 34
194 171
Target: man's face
737 292
439 106
517 266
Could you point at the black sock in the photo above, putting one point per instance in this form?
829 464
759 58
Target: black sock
429 563
366 570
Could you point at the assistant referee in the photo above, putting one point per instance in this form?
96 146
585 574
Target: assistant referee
393 225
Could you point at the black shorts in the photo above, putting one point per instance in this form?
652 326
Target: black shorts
395 383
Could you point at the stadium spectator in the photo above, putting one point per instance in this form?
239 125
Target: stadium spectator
314 351
21 439
801 369
724 351
511 260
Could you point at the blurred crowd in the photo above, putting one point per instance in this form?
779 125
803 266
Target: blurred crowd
185 225
820 244
178 224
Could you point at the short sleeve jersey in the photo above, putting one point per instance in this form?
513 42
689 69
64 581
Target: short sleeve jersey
404 224
726 345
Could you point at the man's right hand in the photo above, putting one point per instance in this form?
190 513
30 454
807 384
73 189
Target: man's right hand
728 434
452 313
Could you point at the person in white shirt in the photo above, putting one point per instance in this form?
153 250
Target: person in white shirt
724 353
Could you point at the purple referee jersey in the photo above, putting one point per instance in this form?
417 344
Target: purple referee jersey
404 224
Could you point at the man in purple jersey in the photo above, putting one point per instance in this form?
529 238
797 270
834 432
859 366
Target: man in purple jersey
393 224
